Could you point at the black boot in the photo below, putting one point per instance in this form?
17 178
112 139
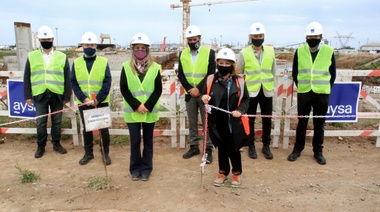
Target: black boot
40 152
266 151
58 148
194 150
252 151
86 158
294 155
106 158
209 155
320 159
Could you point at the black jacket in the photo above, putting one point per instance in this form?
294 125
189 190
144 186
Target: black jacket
218 120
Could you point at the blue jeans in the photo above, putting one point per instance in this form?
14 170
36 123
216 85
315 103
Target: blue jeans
141 164
52 101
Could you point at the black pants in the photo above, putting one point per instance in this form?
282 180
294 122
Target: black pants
141 162
227 152
88 136
319 104
266 107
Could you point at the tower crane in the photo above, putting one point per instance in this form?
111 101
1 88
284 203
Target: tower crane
186 12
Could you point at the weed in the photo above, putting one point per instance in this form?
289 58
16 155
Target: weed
28 176
98 183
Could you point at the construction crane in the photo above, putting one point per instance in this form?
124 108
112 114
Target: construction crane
186 12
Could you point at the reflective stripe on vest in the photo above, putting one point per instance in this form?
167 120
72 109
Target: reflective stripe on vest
141 91
93 82
195 72
49 76
314 76
257 75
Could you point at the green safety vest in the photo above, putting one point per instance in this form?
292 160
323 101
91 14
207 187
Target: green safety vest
256 75
141 91
91 82
197 71
49 76
314 76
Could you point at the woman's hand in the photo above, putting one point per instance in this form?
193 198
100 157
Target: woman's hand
206 98
236 114
142 109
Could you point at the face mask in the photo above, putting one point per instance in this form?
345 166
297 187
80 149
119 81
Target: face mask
140 54
313 42
194 46
224 70
46 44
257 42
89 51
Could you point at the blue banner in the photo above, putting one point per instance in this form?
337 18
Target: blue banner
17 106
344 99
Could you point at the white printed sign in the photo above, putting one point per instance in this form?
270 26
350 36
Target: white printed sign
97 118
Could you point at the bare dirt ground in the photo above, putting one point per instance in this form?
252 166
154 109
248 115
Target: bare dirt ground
349 182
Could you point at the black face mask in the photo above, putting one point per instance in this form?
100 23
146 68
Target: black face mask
313 42
89 51
194 46
224 70
257 42
46 44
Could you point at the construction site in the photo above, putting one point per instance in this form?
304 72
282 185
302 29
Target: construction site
348 182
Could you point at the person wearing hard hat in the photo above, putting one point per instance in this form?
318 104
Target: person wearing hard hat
314 73
47 84
90 74
257 62
196 62
141 87
227 90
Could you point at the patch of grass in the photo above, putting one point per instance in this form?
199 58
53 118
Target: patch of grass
27 176
119 140
98 183
337 124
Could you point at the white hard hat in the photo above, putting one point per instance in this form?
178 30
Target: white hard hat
227 54
256 28
89 38
140 38
192 31
45 32
314 28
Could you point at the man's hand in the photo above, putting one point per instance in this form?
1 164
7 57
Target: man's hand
88 102
194 92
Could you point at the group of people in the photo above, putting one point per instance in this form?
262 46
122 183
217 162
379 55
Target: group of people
48 83
221 82
243 83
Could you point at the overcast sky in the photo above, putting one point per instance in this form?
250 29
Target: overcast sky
284 20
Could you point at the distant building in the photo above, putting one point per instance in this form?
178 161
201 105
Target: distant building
371 47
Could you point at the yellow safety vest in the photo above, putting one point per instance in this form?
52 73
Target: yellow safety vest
141 91
49 76
91 82
314 76
256 75
197 71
